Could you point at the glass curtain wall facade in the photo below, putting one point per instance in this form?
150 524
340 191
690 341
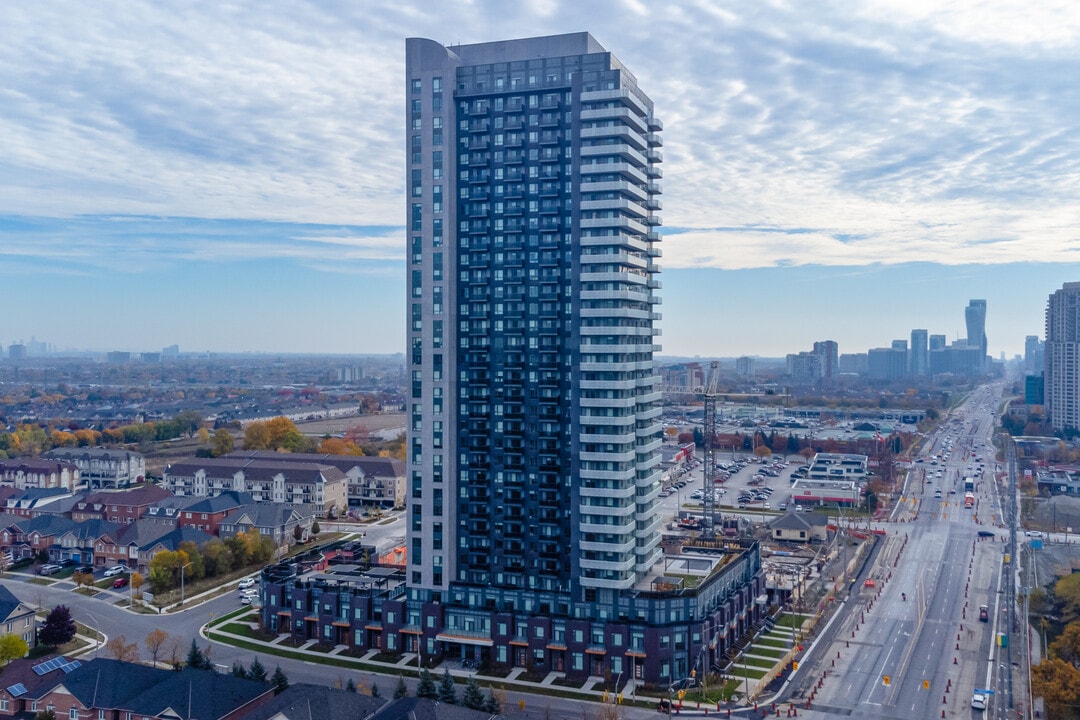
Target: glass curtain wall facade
534 431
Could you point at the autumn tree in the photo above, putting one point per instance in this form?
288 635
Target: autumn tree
339 446
165 569
155 644
1057 683
137 581
203 434
762 451
120 649
221 443
256 436
12 647
1067 595
58 628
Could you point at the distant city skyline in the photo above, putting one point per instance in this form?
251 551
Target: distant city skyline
231 179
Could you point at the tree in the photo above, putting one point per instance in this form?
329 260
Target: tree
59 628
762 451
80 579
137 581
203 434
447 692
257 671
375 690
238 670
120 649
402 690
1067 595
315 529
12 647
279 681
197 659
492 706
298 534
1057 683
155 643
350 686
222 443
426 687
47 714
807 453
256 436
1067 645
473 697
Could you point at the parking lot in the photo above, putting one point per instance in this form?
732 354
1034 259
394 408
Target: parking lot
742 483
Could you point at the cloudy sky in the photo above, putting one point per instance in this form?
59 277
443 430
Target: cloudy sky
229 176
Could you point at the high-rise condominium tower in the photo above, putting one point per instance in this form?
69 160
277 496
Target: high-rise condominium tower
975 318
535 423
1062 357
534 418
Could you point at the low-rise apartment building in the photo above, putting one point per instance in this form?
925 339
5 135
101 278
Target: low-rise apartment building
372 480
44 474
102 468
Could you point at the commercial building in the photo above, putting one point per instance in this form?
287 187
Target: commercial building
919 355
534 434
975 319
1062 379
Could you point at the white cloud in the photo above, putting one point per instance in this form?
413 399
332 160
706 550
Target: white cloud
893 132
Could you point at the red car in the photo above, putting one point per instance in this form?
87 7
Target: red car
120 582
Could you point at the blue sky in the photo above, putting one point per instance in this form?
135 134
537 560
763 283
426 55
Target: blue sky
229 177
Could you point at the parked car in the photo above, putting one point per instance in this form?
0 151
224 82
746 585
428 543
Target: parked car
86 569
245 599
120 582
48 569
67 562
115 570
246 583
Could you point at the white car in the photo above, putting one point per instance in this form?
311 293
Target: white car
115 570
1034 533
250 592
245 600
978 701
246 583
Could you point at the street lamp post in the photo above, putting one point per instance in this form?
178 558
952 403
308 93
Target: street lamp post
183 567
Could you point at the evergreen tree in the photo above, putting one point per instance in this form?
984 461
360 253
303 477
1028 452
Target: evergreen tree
473 697
447 693
491 704
402 690
238 670
374 690
257 671
427 688
196 660
279 681
350 686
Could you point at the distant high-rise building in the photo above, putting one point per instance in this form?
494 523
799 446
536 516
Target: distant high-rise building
1062 376
171 352
1034 355
938 342
887 363
919 356
829 352
975 318
745 366
534 431
854 363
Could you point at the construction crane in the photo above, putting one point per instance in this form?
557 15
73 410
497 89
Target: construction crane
708 430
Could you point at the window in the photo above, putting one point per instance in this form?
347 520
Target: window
73 714
417 86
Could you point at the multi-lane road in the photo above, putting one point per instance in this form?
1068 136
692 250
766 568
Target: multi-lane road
912 645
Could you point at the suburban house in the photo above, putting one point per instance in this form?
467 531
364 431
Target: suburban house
124 506
279 480
106 689
16 618
800 527
278 521
208 513
372 480
103 468
21 473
